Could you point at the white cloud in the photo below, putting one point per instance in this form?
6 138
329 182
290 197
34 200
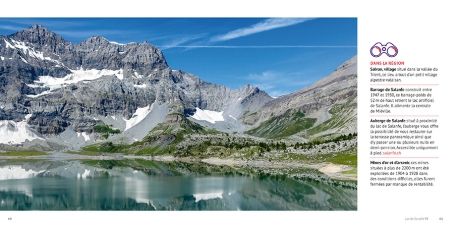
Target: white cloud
181 40
266 25
11 27
264 76
278 93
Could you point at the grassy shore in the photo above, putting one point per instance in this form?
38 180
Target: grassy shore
25 153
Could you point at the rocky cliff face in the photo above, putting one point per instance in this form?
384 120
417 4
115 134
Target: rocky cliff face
331 101
53 85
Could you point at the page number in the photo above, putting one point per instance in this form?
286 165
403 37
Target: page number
9 218
441 218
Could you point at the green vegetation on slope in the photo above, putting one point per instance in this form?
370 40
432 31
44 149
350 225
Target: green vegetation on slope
165 136
284 125
346 157
316 142
106 130
23 153
161 140
105 147
340 118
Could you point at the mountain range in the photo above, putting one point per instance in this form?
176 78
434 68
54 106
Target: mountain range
55 95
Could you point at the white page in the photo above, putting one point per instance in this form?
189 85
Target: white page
423 33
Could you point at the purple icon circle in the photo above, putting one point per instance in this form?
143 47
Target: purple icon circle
389 49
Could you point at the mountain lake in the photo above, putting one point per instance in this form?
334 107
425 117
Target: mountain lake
151 185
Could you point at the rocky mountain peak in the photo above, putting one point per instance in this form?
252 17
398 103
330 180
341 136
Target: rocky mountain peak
54 87
38 35
38 28
97 40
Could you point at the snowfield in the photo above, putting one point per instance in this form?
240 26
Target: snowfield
139 115
84 135
29 51
40 94
207 115
16 133
143 86
75 77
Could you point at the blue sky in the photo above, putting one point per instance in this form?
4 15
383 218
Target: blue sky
279 55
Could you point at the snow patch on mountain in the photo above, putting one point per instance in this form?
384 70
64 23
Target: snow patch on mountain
139 115
23 60
208 115
16 132
136 75
112 42
20 45
8 45
143 86
33 85
143 121
84 135
73 78
39 95
29 51
27 117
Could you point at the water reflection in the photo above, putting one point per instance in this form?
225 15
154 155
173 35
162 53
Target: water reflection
77 186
